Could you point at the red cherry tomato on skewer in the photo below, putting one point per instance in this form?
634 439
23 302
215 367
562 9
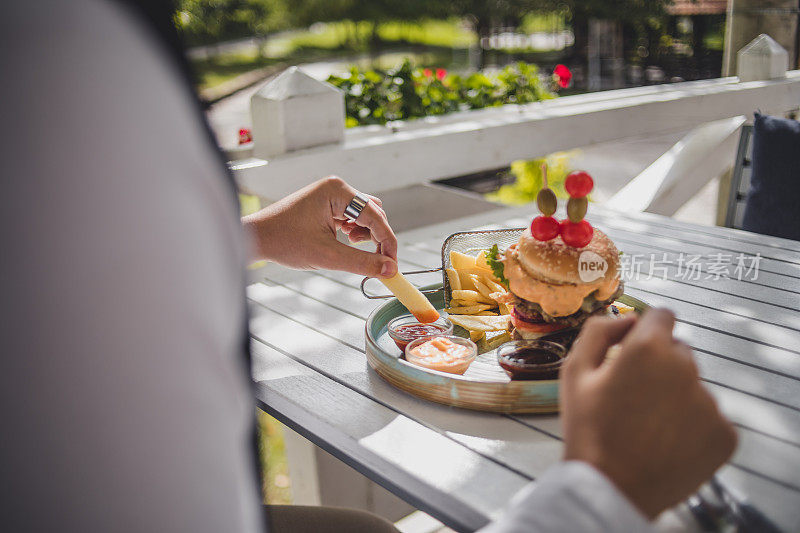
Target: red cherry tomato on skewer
544 228
579 184
576 234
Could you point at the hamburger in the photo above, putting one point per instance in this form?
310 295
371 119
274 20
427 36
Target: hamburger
547 290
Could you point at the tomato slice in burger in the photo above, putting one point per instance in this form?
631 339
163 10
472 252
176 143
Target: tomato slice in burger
536 327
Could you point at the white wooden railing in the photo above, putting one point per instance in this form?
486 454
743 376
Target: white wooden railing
380 158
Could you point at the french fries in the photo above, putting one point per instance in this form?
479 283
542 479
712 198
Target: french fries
480 286
496 286
455 281
474 295
481 260
468 310
461 261
409 295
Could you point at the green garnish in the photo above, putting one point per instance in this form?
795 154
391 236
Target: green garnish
493 258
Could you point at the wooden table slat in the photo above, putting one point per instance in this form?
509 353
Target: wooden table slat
729 324
774 459
779 504
758 414
653 229
717 232
383 444
777 272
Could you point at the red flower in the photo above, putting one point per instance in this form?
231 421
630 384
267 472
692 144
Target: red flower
245 136
427 72
563 75
440 73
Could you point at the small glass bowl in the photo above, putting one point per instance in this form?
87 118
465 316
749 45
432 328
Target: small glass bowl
458 366
550 357
402 338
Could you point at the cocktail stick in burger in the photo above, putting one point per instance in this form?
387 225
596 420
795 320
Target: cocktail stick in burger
410 296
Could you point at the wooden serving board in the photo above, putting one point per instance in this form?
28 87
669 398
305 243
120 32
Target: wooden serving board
484 386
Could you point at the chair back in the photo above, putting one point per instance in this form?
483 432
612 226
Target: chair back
740 181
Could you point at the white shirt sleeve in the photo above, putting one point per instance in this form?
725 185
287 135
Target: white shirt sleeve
127 401
571 497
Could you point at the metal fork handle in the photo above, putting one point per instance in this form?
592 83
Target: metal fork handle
725 511
748 517
384 296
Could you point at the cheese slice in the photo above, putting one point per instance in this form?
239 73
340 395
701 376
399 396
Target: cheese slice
481 323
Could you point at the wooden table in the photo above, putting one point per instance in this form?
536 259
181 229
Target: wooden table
311 372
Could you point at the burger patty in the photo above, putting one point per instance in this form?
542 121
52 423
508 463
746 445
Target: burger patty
564 337
533 312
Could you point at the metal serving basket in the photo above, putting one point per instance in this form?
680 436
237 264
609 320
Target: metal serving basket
466 242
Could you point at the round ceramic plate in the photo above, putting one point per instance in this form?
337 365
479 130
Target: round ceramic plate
484 386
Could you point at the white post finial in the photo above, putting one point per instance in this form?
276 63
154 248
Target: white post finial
295 111
762 59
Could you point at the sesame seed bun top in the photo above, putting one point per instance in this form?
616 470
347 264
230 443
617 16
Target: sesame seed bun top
555 262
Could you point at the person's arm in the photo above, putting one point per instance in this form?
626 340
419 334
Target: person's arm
299 231
570 497
640 433
124 324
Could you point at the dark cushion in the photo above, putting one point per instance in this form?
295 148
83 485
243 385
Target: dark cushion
773 203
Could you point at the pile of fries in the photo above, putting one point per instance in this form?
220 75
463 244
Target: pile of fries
475 291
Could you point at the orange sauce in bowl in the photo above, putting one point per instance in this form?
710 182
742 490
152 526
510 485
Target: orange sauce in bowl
441 353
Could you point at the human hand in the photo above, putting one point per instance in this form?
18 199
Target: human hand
642 418
299 231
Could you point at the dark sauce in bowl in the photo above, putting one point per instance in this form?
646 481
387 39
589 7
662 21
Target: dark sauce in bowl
529 360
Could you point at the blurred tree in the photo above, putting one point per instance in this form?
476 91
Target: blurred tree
629 13
259 18
373 12
211 21
486 14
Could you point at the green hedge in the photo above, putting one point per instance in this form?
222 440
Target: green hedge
380 96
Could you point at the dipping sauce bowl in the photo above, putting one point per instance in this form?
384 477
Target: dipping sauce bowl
406 328
450 354
533 359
